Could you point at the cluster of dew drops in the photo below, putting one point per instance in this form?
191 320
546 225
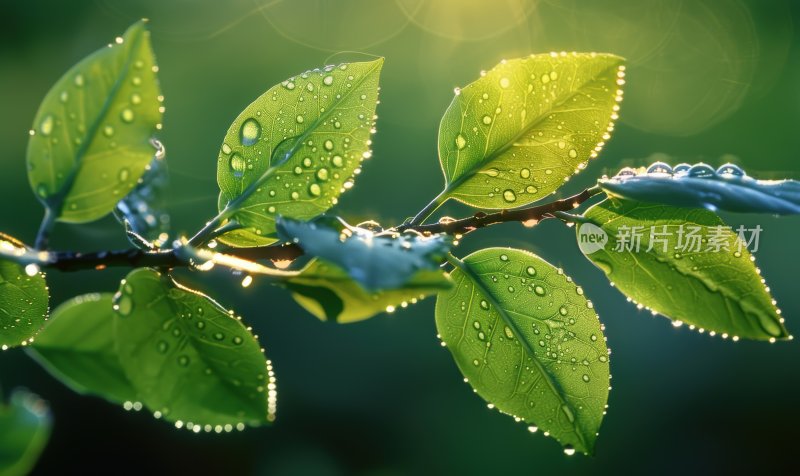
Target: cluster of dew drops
530 271
31 270
123 305
549 83
726 171
48 125
313 178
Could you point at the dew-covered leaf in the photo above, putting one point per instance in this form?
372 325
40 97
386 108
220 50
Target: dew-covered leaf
90 140
520 131
142 211
327 292
727 188
683 263
189 359
296 148
25 425
77 346
23 297
377 260
528 342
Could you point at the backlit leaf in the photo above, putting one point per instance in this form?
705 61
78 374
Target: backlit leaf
90 140
528 342
296 148
327 292
23 297
25 425
77 346
520 131
189 359
689 267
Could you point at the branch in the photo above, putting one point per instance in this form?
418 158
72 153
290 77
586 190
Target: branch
134 258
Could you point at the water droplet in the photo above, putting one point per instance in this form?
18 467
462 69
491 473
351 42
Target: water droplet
569 450
123 175
299 118
504 83
226 149
295 196
123 304
732 170
322 174
659 168
78 80
585 378
327 80
487 120
238 165
484 304
509 196
337 161
136 99
250 132
503 257
200 324
539 290
64 96
525 173
562 310
508 332
108 131
183 361
701 170
476 362
162 346
126 115
218 336
531 271
46 126
573 153
328 144
461 142
314 190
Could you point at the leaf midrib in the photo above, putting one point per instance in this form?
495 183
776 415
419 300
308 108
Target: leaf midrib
554 387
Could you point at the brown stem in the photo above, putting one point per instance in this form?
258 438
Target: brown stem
133 258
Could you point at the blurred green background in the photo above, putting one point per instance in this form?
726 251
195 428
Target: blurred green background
711 80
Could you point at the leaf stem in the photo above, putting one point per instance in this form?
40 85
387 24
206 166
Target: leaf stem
428 210
46 227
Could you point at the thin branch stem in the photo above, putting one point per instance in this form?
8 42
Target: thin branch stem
43 236
72 261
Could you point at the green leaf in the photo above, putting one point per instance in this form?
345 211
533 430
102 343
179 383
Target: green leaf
727 188
718 289
327 292
528 342
296 148
25 425
90 140
376 259
520 131
23 298
190 360
77 346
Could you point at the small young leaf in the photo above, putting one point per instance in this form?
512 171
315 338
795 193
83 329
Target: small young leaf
25 425
728 188
23 297
521 130
77 346
187 357
142 210
528 342
689 267
383 260
327 292
296 148
90 140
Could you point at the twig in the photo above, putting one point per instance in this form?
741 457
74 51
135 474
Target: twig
73 261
